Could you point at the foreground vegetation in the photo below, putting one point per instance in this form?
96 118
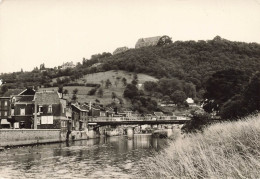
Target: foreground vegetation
223 150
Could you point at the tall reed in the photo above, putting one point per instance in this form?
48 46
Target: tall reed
223 150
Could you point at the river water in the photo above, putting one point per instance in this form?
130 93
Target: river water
113 157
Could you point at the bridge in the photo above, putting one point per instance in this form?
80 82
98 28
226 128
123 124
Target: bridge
135 122
101 123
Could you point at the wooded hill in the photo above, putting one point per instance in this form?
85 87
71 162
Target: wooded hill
187 63
188 60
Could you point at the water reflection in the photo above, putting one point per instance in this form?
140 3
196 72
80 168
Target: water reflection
95 158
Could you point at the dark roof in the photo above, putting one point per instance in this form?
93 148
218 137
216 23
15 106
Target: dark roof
12 92
25 98
80 108
28 91
47 98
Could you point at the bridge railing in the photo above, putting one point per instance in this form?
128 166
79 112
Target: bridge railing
134 118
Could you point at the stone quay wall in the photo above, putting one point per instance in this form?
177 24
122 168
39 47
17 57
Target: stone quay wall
16 137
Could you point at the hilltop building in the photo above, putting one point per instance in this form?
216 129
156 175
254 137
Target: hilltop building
120 50
67 65
146 42
153 41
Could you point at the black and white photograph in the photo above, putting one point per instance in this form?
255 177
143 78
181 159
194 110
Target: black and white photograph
129 89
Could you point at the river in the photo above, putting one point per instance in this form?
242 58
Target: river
112 157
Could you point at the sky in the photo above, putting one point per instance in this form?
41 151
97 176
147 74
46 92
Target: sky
33 32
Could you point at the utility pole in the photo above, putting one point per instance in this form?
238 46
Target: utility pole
35 114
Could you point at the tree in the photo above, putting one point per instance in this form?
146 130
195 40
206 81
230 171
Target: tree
60 90
150 86
102 82
190 90
42 66
222 86
131 91
92 91
75 91
113 95
179 97
108 83
135 79
252 94
164 40
233 108
124 81
198 122
74 97
100 92
116 83
4 89
65 91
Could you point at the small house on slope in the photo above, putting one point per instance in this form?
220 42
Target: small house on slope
120 50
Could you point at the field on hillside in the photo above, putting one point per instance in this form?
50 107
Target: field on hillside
117 86
84 97
223 150
113 76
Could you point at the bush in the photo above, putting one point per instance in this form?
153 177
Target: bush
92 91
92 85
198 122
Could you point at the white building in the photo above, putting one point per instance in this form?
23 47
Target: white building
67 65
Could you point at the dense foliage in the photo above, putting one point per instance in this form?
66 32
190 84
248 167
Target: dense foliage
219 68
191 61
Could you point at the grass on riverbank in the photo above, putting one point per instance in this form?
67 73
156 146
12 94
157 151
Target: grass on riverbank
224 150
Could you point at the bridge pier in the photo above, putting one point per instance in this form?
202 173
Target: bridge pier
130 132
169 132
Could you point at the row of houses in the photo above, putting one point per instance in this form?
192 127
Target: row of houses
28 109
24 108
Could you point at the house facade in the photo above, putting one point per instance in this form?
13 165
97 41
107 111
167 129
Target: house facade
5 112
22 111
79 118
52 111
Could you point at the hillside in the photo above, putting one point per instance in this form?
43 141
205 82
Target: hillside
189 60
117 86
182 69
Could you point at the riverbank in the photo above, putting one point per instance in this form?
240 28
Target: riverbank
224 150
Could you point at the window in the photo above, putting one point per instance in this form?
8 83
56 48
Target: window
40 108
50 109
22 111
5 103
63 123
16 125
5 113
47 120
